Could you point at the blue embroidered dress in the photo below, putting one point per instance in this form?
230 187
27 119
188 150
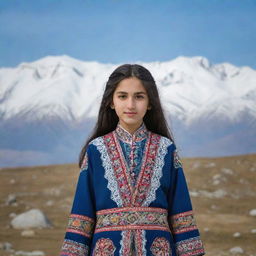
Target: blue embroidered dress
132 199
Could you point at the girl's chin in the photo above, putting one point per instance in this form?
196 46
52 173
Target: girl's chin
131 121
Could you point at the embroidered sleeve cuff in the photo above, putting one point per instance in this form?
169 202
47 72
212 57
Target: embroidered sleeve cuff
81 225
182 222
190 247
183 225
71 248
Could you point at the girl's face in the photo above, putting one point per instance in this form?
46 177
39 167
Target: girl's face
130 101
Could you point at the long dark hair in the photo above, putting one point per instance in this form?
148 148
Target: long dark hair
154 118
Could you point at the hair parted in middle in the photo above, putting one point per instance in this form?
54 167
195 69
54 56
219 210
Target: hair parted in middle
154 118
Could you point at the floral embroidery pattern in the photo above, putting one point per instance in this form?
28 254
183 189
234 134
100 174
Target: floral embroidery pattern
183 222
188 247
71 247
138 135
128 218
104 247
80 224
119 168
160 247
84 165
144 183
164 143
176 159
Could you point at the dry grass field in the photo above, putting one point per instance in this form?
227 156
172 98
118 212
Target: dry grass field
223 191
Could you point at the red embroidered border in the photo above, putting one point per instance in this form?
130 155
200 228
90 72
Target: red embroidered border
80 224
71 248
136 209
182 222
126 242
131 227
119 168
190 247
144 179
131 218
139 242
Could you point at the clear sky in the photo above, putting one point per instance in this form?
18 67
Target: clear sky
123 31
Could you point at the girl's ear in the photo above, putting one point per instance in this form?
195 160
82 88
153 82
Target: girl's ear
149 107
112 105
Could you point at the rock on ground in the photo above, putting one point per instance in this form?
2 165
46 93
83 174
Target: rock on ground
236 250
6 246
33 253
252 212
33 218
236 234
11 199
28 233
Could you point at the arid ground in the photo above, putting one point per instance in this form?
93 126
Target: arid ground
223 192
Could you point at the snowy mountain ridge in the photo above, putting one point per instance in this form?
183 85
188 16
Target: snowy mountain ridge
48 107
189 87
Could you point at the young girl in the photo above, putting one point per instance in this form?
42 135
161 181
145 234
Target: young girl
131 196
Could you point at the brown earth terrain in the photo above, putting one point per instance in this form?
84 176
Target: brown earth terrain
223 192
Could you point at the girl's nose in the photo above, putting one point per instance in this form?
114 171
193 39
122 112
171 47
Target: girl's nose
130 102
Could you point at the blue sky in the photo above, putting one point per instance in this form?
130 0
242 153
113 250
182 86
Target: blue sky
122 31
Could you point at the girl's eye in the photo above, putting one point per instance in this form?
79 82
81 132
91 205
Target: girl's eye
137 96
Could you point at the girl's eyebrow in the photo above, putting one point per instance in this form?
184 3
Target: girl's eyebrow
121 92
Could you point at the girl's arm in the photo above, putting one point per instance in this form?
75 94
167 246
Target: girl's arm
180 213
81 220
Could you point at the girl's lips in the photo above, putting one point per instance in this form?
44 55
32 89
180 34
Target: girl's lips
130 113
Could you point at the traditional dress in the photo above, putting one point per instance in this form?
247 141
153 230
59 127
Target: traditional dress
132 199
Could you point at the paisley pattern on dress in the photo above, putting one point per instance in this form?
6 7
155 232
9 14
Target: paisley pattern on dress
161 247
104 247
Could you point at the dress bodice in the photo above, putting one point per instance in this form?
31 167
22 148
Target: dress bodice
133 147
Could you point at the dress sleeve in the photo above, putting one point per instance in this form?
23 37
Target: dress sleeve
81 222
180 213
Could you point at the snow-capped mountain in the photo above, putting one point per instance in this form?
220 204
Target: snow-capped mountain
47 107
